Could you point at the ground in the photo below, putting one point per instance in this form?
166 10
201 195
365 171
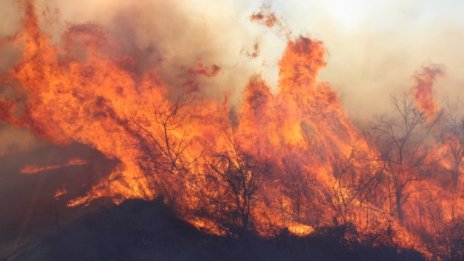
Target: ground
35 226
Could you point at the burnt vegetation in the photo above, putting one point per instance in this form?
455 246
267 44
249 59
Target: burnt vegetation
140 230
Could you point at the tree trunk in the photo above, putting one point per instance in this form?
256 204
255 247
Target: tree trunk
399 204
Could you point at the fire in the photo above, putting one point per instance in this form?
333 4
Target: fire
34 169
423 90
290 160
60 193
300 230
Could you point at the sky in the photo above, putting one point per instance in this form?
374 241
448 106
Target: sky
376 46
373 47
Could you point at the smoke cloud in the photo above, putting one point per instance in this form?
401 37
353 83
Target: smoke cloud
376 47
373 50
13 140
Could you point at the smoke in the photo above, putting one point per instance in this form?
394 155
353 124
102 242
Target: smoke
13 140
174 37
10 17
10 22
373 49
179 39
171 36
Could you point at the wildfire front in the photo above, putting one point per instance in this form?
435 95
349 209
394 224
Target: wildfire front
145 135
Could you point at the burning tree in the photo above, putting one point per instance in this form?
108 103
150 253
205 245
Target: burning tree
295 186
357 187
449 241
402 144
244 175
165 138
453 140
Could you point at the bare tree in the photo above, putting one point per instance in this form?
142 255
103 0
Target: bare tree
343 200
453 137
357 183
402 145
164 137
244 176
295 185
163 143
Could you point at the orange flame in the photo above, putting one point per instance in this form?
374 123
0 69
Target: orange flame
423 90
284 161
34 169
60 193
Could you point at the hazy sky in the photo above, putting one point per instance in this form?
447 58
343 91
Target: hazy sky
374 47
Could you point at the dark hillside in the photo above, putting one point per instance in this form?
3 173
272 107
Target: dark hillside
138 230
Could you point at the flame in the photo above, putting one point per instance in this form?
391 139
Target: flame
300 230
423 90
60 193
34 169
291 161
